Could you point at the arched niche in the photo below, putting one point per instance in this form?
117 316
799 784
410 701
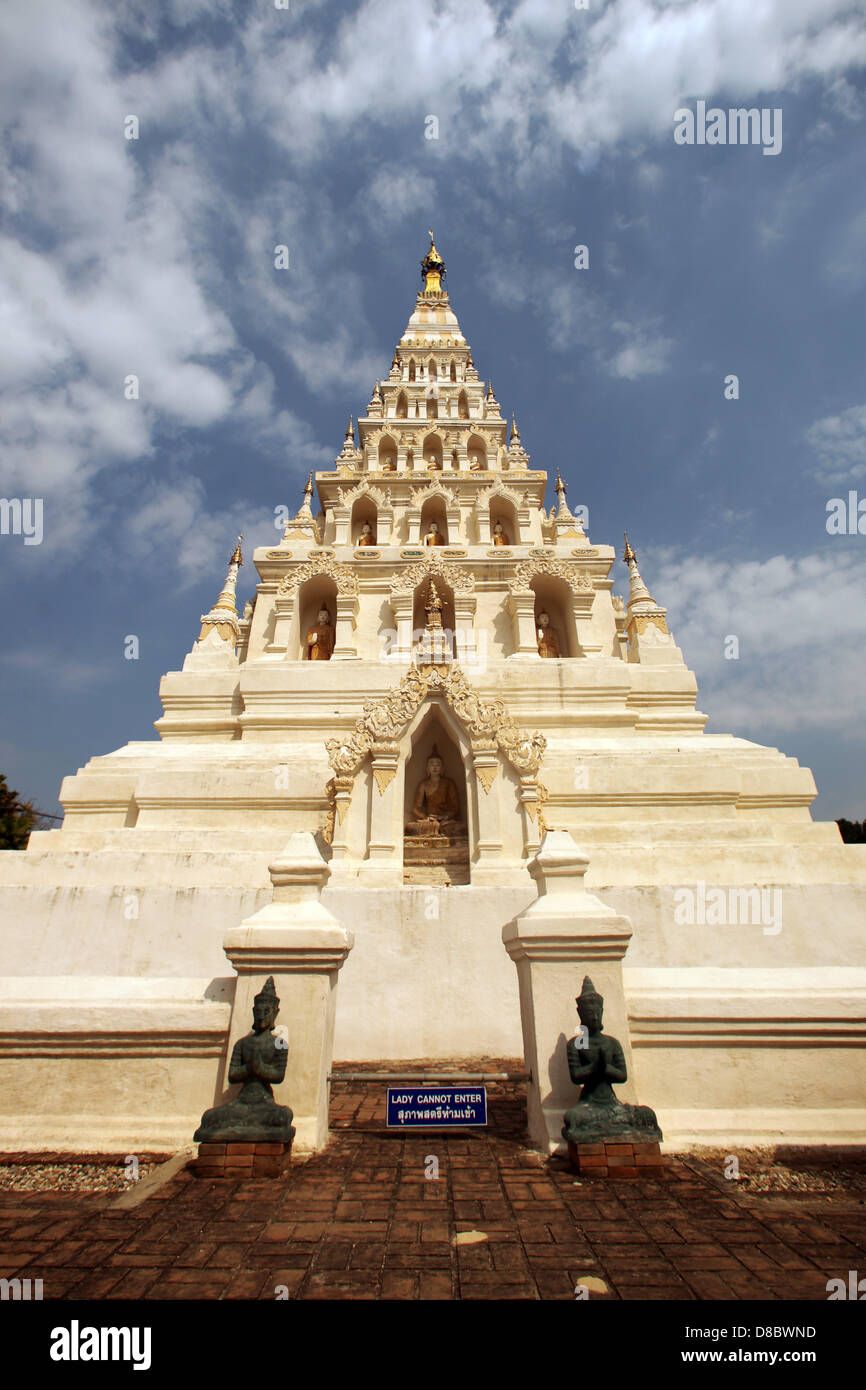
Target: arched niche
432 369
411 368
402 410
387 454
432 452
463 406
433 730
363 510
419 610
554 596
476 450
434 510
432 407
318 592
452 371
503 510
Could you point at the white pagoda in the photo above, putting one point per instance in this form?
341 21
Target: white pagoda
434 670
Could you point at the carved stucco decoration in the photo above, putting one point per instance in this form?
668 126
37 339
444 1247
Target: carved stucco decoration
568 570
381 497
488 723
343 576
407 580
498 490
420 495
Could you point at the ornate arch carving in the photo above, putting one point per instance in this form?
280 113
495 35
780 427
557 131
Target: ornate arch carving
343 576
407 580
382 498
498 489
420 495
574 576
385 720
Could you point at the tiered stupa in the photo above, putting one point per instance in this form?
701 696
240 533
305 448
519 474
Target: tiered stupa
435 668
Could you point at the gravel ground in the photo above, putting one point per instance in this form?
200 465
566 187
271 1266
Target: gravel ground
760 1170
67 1177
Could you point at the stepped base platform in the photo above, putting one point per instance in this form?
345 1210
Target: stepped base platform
436 859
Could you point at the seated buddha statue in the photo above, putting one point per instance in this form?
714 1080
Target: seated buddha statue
474 463
500 535
547 636
595 1060
320 639
436 808
434 535
258 1062
366 537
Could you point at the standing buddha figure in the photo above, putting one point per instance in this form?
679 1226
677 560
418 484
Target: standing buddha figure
547 636
320 639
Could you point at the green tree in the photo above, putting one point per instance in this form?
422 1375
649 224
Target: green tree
853 832
18 818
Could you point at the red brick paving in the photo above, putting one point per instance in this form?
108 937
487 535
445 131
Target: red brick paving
362 1221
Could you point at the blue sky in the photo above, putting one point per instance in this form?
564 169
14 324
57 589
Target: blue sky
307 127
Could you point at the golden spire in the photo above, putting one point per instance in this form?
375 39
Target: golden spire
638 591
433 270
229 589
515 432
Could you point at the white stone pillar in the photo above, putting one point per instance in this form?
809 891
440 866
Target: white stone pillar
521 606
487 865
284 611
344 640
402 606
465 650
565 934
384 862
303 946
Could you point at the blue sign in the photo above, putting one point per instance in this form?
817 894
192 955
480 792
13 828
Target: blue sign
436 1107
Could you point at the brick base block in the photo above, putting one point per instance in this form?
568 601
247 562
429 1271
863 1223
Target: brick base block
617 1159
235 1161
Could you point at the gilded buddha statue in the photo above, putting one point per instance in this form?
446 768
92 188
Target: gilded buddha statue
434 535
500 535
547 636
320 639
436 808
366 537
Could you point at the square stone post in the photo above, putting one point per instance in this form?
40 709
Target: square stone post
521 606
344 637
299 942
565 934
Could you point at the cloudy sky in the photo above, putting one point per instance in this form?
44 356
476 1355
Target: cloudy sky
308 126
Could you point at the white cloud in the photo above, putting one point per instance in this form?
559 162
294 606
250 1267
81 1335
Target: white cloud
801 631
644 353
840 443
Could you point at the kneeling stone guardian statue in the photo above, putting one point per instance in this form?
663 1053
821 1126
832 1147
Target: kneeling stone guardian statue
594 1061
258 1061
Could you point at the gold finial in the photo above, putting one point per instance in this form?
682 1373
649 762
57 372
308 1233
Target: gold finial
433 270
350 430
237 558
629 553
515 432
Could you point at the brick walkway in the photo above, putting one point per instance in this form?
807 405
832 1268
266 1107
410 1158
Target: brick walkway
363 1221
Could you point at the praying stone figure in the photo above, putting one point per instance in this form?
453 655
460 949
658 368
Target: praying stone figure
258 1062
436 809
500 535
594 1061
366 537
320 639
434 535
547 636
